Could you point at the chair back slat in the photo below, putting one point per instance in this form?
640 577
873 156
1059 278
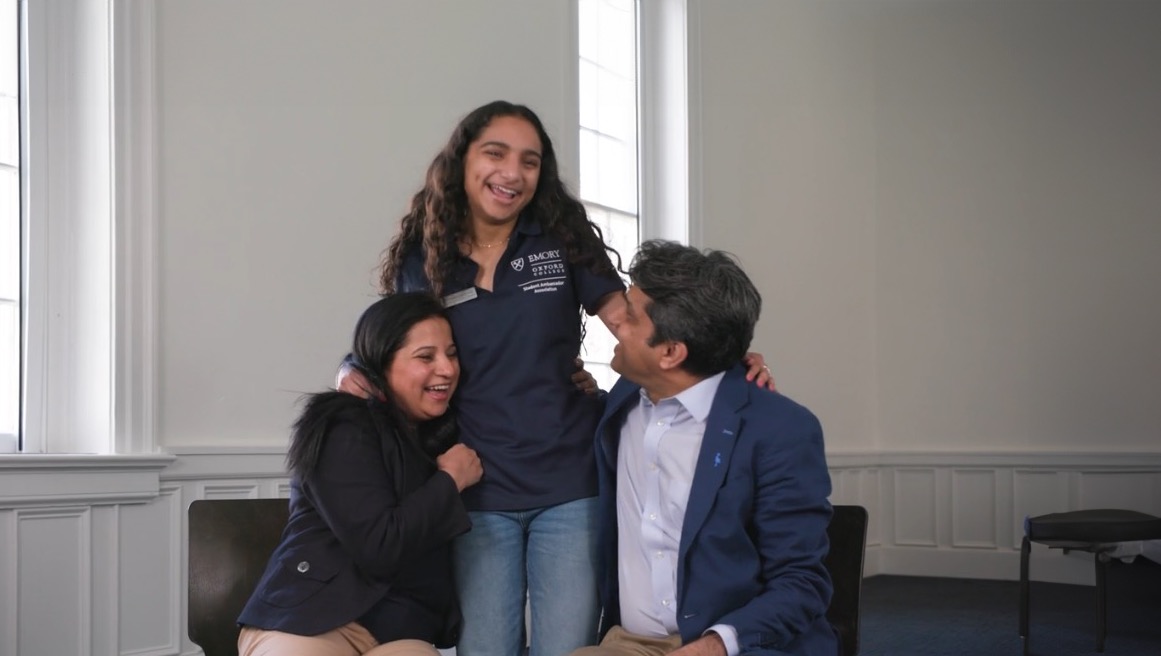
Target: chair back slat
230 541
848 543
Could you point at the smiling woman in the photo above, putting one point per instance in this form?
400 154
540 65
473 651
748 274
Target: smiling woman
513 254
501 172
364 565
425 371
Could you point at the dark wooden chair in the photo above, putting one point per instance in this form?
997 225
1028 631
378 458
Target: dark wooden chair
848 545
230 541
1094 531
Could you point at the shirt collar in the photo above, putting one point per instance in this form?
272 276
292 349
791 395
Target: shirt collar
697 399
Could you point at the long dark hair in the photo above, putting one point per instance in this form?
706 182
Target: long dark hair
439 212
379 334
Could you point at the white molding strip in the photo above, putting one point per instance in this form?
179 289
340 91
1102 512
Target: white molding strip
105 527
35 153
1050 460
693 104
135 224
197 464
567 139
62 480
663 123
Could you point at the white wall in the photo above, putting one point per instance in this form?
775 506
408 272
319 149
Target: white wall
953 211
788 162
293 134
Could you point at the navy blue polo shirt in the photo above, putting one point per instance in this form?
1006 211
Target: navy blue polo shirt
517 405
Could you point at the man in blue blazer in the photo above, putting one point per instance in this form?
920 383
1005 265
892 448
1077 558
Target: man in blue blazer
713 490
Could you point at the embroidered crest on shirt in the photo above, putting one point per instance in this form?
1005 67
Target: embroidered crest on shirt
547 269
517 264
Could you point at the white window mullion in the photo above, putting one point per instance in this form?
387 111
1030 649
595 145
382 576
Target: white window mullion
34 155
664 120
135 218
9 226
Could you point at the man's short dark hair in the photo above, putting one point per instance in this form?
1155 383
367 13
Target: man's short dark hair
702 299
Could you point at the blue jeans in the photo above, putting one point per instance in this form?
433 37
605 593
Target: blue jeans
549 553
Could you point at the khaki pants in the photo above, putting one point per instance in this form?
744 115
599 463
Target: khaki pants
349 640
619 642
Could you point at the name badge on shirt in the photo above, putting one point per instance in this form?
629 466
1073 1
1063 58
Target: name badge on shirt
462 296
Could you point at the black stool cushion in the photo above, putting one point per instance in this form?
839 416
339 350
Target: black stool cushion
1107 525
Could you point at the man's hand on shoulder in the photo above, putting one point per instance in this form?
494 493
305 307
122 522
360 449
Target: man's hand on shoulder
708 645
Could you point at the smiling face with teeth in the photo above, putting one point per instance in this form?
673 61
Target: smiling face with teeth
425 370
501 170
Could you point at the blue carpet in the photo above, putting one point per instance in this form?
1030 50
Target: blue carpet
904 615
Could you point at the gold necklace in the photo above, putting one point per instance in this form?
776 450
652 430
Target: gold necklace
495 243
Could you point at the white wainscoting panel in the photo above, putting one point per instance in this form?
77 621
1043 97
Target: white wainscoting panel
1131 490
962 515
54 554
9 582
230 490
93 559
151 580
915 507
973 508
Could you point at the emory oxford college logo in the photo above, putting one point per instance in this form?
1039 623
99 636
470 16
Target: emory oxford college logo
517 264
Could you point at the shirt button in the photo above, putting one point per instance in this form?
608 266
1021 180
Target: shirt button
664 602
304 567
652 515
659 554
660 423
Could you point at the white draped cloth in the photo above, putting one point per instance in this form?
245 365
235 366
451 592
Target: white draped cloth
1127 551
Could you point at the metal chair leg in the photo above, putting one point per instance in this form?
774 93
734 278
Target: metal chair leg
1102 570
1025 550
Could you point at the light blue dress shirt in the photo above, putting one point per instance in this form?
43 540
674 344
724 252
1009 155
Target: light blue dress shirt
655 464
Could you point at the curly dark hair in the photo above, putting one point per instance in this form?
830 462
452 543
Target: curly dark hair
438 218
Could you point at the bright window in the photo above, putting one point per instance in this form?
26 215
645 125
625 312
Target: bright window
9 225
608 143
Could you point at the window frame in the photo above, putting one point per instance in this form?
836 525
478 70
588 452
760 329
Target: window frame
89 296
10 442
597 348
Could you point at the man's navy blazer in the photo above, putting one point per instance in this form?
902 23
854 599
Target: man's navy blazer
754 535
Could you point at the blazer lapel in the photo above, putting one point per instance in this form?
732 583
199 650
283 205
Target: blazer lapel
717 445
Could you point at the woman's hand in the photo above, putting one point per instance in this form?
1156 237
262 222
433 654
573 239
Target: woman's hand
757 371
583 380
462 464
